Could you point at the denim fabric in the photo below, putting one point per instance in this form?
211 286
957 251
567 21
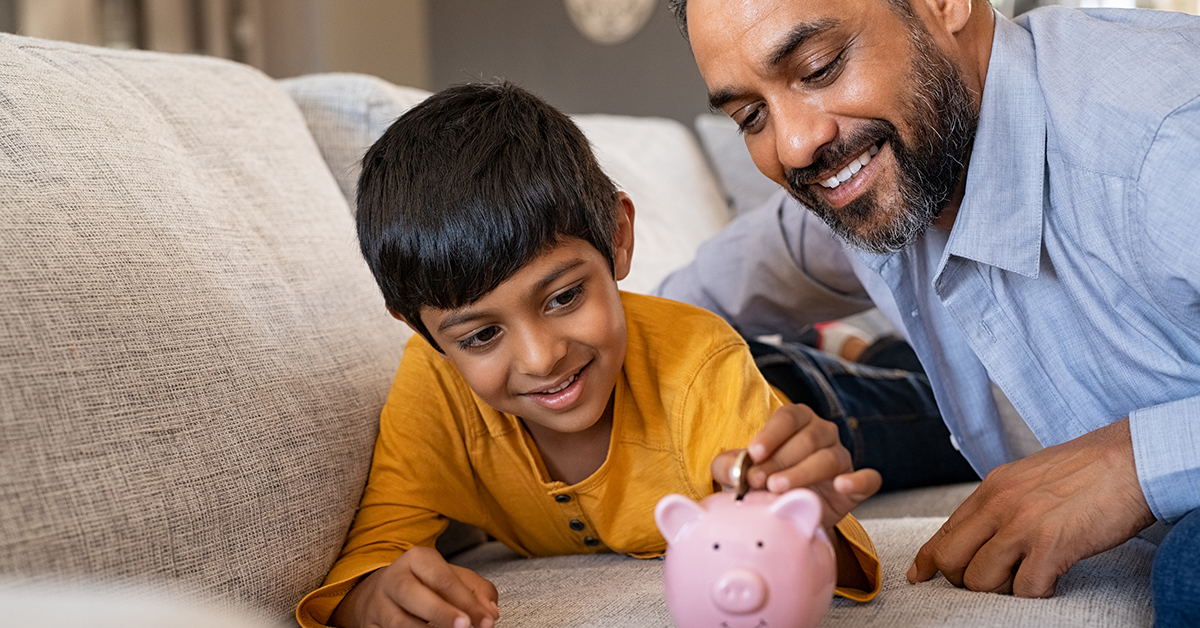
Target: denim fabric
887 418
1175 577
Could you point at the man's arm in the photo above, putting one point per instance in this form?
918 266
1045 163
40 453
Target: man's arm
773 270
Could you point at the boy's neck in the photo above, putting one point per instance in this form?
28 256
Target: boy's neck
571 458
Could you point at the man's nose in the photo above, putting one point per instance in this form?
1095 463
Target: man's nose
802 132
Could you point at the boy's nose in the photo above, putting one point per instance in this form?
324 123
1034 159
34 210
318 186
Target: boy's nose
540 352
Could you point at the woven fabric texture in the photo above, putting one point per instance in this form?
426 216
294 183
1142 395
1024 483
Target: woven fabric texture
1111 589
192 354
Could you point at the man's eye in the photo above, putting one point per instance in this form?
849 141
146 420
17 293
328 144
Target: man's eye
480 338
566 297
752 121
826 72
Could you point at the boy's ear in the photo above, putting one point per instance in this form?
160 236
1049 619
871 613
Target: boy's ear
400 317
623 237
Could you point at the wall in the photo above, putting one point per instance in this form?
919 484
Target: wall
533 43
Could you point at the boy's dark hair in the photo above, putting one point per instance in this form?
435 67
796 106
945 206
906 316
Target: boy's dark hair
470 185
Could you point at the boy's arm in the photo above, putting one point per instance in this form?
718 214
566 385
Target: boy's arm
420 475
795 448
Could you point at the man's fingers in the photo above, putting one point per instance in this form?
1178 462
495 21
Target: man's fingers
1036 578
993 568
952 547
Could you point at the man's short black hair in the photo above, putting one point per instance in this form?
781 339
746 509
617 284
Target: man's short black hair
470 185
679 9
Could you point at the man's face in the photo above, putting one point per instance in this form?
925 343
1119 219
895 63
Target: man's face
846 103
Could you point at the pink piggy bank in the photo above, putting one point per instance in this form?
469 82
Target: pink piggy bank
759 562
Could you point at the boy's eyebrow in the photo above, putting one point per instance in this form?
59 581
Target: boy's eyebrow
798 36
465 316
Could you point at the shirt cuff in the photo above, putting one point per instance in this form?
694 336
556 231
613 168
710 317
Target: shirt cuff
868 559
314 610
1166 450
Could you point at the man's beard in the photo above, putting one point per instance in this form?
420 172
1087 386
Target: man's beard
943 119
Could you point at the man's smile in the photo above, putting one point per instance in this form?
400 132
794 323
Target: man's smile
851 169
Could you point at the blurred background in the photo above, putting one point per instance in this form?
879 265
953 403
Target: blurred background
585 56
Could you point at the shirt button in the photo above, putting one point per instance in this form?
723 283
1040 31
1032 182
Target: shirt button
914 313
562 499
590 542
576 525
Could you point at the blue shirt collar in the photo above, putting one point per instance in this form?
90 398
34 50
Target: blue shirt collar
1000 220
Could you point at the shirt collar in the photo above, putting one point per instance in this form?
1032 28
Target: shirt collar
1000 220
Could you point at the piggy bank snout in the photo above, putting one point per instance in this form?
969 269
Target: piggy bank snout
739 591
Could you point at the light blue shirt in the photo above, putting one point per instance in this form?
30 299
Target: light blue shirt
1071 277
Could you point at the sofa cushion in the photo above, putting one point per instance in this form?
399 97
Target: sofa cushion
192 354
657 161
1111 589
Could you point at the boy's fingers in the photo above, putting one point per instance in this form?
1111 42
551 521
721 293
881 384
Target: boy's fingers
484 590
783 424
459 601
821 466
858 485
722 466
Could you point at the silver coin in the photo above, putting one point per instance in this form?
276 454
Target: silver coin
740 473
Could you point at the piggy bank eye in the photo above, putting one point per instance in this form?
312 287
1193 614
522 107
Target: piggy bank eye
716 546
760 544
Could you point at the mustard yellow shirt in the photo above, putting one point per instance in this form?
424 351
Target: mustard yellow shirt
687 391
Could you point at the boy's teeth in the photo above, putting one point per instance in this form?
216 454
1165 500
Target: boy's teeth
569 381
852 169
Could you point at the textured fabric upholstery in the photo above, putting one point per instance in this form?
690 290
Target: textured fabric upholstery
1111 589
192 354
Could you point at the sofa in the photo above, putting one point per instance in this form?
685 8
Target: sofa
193 357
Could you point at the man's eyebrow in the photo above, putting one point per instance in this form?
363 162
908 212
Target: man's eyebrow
798 36
466 316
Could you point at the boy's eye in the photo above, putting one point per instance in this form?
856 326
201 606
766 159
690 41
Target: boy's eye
480 338
566 297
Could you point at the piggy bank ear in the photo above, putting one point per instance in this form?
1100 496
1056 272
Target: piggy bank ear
800 507
673 512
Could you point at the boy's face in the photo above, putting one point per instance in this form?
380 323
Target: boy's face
548 343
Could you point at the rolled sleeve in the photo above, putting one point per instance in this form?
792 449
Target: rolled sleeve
1166 442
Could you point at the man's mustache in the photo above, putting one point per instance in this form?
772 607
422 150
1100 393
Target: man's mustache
839 152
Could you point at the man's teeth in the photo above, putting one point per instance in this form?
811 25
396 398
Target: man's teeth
570 380
852 169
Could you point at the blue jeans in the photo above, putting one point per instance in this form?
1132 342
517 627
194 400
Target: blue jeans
884 409
1175 576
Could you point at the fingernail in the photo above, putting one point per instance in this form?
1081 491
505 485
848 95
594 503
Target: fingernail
487 623
912 573
777 484
757 452
462 622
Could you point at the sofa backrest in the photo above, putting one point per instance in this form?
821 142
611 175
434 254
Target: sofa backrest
657 161
192 353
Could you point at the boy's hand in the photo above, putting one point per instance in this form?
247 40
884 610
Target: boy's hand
798 449
418 589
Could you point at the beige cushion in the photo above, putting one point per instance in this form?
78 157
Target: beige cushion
192 354
1111 589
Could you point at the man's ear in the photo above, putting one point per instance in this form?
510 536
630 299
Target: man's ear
949 16
623 237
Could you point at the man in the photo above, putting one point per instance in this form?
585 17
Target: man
1024 200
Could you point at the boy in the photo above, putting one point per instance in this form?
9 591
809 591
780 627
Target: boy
536 401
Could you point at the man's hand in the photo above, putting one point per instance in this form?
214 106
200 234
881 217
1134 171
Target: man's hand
418 589
798 449
1031 520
